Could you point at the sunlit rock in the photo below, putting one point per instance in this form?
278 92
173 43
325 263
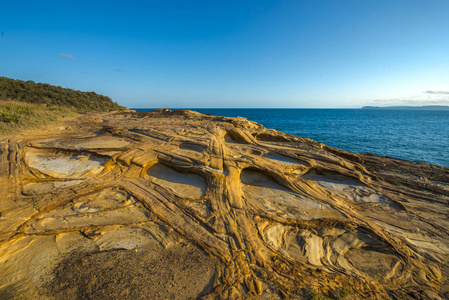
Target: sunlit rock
179 205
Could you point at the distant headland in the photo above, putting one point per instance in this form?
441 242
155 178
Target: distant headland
426 107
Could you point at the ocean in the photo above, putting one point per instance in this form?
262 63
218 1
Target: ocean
417 135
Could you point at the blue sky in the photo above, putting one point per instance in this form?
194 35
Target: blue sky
247 53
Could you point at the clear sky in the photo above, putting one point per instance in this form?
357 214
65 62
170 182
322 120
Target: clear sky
223 53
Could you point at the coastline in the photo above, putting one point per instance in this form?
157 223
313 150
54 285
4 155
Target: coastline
415 135
259 213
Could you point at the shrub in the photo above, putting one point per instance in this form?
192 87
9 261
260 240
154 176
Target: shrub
43 93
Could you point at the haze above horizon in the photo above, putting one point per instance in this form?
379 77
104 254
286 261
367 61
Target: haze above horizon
239 54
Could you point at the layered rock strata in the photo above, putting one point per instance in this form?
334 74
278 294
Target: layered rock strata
179 204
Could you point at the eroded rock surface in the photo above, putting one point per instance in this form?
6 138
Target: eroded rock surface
178 205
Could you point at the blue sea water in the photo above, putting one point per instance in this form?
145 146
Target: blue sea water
418 135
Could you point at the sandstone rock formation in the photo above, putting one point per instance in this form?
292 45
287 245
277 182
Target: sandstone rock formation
178 205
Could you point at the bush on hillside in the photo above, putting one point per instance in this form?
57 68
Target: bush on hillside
43 93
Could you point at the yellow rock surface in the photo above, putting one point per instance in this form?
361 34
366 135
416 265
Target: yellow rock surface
181 205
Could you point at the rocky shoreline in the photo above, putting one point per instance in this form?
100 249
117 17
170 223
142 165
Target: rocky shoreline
179 204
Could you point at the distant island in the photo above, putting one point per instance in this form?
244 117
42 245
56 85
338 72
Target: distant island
426 107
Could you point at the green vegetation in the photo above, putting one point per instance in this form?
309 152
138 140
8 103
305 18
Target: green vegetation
43 93
26 104
16 115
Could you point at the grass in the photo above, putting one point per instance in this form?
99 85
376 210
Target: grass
16 116
26 104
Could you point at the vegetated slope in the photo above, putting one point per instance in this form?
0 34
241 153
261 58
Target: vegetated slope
15 115
50 95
